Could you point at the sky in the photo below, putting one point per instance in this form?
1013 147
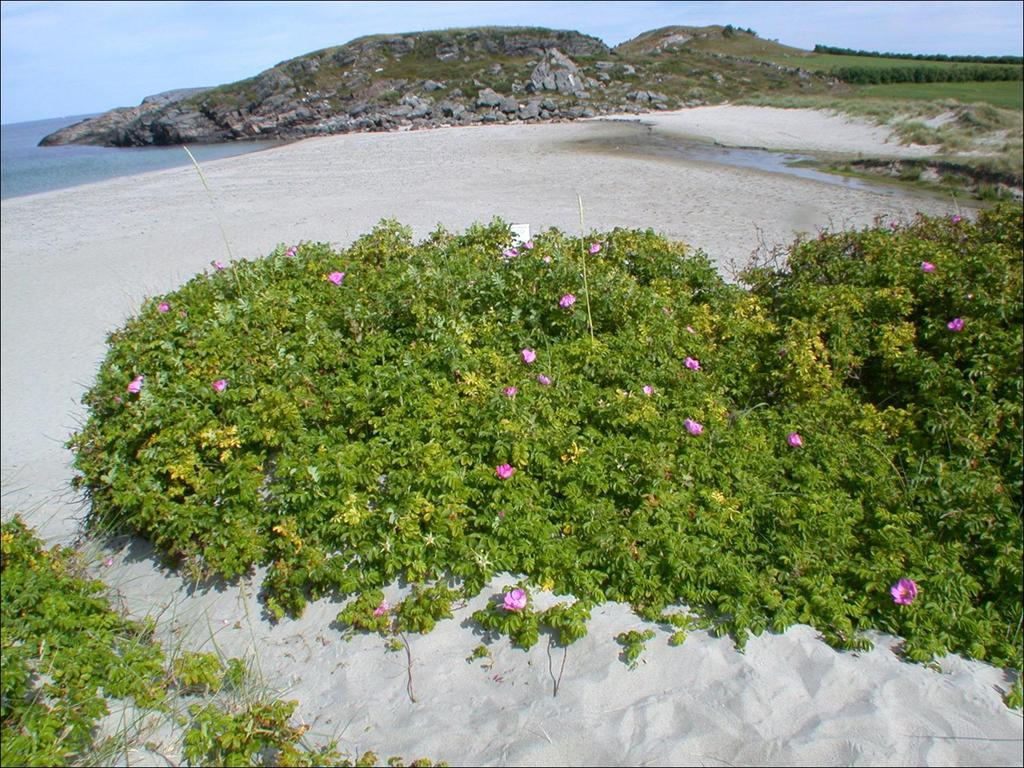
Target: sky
71 58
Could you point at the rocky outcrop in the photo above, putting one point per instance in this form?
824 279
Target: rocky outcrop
112 128
353 88
557 72
387 82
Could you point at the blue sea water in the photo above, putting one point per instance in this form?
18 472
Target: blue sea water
26 168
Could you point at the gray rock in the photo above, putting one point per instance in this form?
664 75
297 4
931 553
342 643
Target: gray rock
656 96
529 111
301 67
523 44
556 72
549 105
399 46
508 105
605 65
181 126
447 51
488 98
432 85
169 97
629 69
272 82
343 58
450 109
567 82
402 110
578 111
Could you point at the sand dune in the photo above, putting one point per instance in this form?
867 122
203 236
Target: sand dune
77 262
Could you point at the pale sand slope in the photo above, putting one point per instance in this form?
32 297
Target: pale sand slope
76 263
784 129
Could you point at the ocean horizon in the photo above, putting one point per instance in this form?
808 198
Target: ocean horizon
28 169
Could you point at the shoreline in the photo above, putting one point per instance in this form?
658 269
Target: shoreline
689 124
77 262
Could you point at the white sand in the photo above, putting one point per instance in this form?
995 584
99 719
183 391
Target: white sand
76 263
785 129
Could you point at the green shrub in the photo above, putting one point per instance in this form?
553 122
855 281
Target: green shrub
64 653
949 405
633 644
362 426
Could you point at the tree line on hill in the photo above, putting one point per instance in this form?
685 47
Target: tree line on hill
925 74
920 56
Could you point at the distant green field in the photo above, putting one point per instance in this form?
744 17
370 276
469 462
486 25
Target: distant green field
1005 94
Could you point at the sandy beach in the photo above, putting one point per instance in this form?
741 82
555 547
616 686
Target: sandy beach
76 263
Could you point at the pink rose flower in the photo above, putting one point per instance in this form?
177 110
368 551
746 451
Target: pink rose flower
163 306
543 380
136 385
510 391
567 301
956 324
291 251
689 329
648 390
515 600
595 247
692 364
794 439
528 245
504 471
927 266
381 609
903 591
336 277
693 427
546 259
528 355
218 266
220 385
509 253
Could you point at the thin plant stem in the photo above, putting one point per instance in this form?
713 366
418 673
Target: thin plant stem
551 670
408 667
586 287
213 205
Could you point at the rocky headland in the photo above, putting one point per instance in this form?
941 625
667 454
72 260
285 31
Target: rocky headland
453 77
